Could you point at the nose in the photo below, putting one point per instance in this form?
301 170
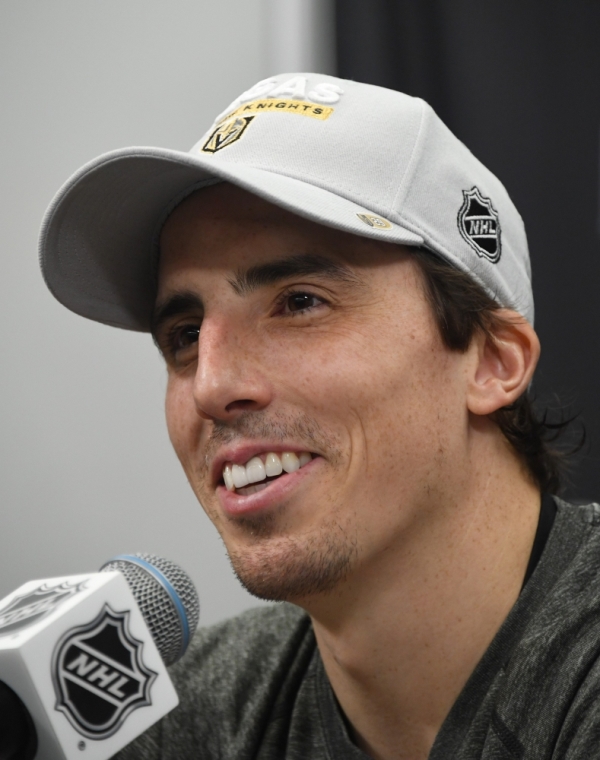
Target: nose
230 378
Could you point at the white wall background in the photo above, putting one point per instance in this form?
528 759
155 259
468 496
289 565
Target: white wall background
86 470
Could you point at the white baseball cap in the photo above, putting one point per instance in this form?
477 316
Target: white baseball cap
359 158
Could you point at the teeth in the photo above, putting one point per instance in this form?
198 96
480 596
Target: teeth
228 477
289 461
240 479
273 465
304 458
255 470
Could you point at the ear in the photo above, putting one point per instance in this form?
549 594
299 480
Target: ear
503 364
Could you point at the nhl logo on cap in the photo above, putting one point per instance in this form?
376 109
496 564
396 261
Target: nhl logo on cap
479 225
99 676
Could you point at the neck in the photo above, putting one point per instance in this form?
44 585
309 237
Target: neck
401 636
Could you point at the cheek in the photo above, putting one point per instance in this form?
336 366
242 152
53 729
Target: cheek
181 418
395 393
357 370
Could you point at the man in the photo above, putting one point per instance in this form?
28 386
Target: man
342 296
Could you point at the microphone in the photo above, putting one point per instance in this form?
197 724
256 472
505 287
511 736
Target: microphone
83 658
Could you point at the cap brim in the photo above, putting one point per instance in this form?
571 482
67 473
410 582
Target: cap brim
98 238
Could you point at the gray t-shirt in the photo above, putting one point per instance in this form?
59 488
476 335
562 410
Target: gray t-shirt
255 686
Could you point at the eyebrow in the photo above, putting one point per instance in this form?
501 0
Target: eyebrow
305 264
246 282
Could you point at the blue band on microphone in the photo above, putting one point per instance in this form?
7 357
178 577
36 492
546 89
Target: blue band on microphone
168 587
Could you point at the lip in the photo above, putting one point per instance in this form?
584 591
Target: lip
243 452
236 505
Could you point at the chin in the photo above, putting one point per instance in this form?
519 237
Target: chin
286 568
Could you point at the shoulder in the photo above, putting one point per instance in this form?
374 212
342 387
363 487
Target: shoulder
575 540
550 697
249 646
565 591
230 683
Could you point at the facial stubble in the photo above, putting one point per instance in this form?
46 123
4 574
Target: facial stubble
277 563
279 566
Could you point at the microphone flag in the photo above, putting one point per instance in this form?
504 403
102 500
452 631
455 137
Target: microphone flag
78 653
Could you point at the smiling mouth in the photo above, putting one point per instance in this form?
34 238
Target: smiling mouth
261 470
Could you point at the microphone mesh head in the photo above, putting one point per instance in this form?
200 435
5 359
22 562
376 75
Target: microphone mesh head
157 606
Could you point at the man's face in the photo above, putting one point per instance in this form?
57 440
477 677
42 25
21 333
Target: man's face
285 337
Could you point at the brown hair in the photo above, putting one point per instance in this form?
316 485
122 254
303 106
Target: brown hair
461 308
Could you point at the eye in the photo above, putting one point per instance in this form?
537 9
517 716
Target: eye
180 343
296 303
185 336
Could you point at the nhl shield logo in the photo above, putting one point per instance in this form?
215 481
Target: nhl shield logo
226 134
28 608
479 225
99 676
